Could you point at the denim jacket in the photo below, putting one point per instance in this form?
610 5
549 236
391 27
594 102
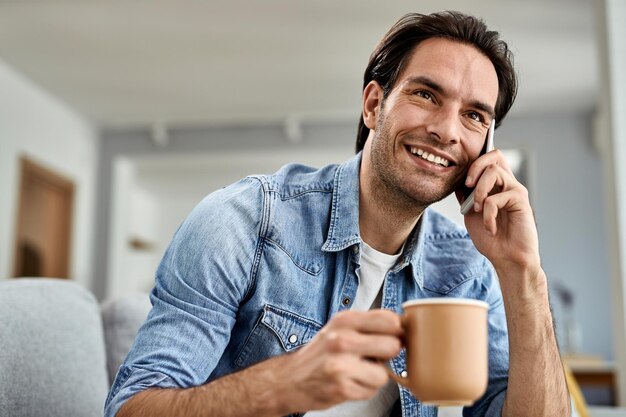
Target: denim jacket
260 266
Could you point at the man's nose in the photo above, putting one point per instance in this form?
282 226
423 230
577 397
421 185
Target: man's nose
444 124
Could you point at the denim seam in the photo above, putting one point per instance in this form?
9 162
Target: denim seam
310 272
260 245
294 318
335 203
297 317
304 192
454 287
449 235
238 359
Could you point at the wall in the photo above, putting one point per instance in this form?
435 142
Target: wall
565 184
611 135
34 124
569 202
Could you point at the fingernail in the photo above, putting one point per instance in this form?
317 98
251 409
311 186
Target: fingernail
468 180
476 206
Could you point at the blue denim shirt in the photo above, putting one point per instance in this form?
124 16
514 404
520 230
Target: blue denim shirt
275 256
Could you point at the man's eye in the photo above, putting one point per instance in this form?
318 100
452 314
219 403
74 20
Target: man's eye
476 116
423 94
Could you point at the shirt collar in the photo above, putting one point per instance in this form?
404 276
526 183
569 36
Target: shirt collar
343 230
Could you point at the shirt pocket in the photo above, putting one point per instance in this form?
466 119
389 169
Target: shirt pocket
276 332
447 279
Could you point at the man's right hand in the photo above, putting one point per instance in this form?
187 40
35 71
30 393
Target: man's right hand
341 363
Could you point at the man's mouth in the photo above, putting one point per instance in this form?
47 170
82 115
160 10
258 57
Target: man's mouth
434 159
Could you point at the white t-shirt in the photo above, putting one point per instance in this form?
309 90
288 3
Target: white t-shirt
371 274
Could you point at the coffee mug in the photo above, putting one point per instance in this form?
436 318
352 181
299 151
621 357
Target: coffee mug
446 343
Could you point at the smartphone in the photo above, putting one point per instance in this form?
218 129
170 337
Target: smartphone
468 203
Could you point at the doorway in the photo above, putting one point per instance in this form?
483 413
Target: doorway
44 223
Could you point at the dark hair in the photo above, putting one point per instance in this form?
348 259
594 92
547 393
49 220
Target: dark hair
392 52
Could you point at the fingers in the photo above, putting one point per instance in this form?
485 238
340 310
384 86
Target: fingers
495 157
497 189
373 321
368 374
494 178
366 334
372 375
507 200
361 344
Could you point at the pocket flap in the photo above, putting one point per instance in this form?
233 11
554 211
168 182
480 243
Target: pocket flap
292 330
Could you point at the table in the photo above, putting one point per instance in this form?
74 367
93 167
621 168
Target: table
601 374
597 411
594 411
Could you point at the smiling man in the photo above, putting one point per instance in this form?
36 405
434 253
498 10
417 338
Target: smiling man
278 292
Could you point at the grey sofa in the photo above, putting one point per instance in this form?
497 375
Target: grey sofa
59 349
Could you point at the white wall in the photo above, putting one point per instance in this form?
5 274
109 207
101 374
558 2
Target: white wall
34 124
134 215
611 136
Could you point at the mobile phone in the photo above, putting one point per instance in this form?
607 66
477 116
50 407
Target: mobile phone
468 203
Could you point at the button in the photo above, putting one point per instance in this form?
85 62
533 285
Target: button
346 301
355 248
404 374
293 338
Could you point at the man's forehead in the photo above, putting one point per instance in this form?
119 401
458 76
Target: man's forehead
455 66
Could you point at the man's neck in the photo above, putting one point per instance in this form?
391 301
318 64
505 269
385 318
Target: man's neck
385 219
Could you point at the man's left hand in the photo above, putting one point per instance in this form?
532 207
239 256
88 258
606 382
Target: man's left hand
501 223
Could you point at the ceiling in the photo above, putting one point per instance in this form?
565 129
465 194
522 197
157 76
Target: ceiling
136 63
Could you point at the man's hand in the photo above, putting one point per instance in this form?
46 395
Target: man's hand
501 224
340 363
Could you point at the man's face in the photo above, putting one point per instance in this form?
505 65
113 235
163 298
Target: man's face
434 122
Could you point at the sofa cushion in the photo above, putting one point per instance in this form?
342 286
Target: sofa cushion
52 360
122 317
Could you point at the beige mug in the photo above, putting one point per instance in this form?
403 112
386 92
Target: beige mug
446 343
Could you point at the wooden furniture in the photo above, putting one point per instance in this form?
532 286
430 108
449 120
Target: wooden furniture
594 372
607 411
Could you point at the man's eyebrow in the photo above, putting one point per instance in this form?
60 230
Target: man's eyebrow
439 89
484 107
428 83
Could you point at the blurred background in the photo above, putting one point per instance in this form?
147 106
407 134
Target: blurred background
117 117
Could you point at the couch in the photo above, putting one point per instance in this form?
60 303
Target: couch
59 349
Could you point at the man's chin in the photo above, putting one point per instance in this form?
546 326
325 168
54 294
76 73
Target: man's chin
424 200
426 197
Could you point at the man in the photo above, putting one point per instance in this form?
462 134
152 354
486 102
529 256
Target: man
263 302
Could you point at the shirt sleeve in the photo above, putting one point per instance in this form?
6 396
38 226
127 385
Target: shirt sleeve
491 403
205 273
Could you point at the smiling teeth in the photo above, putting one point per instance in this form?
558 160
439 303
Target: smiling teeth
430 157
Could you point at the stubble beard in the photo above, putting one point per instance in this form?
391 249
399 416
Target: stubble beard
390 191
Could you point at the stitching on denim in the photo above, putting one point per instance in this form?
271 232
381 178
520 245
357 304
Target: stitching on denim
334 203
297 317
452 288
262 232
238 358
304 192
310 272
447 235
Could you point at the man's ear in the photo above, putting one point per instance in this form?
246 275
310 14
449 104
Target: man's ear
372 101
